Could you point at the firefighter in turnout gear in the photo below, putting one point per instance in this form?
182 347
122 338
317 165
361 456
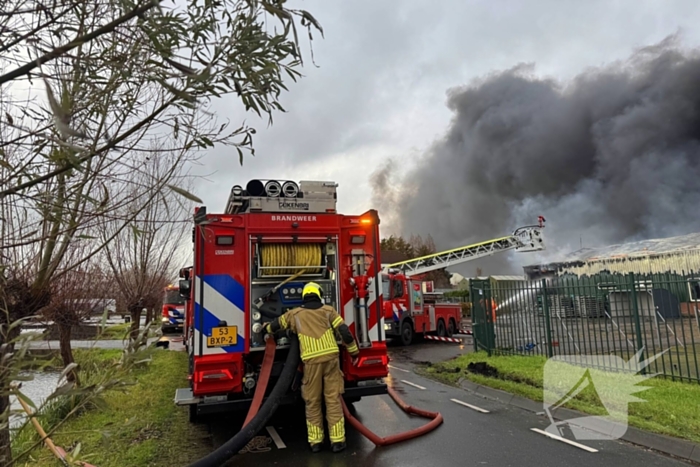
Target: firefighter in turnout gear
316 325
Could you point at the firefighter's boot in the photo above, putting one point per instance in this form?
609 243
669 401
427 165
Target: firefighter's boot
337 447
316 448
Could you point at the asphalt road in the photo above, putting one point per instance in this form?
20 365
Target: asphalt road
502 437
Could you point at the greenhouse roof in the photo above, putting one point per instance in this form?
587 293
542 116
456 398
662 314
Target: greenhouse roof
637 249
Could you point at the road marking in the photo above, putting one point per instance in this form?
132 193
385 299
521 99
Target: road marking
564 440
397 368
275 437
413 384
473 407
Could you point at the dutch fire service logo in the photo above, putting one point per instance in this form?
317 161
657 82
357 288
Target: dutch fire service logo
608 378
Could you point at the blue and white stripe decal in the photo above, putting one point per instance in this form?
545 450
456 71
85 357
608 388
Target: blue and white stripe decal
395 312
224 300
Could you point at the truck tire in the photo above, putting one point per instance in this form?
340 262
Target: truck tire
451 328
441 330
406 333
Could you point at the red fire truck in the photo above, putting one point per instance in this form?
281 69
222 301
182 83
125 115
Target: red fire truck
250 265
409 310
412 308
173 311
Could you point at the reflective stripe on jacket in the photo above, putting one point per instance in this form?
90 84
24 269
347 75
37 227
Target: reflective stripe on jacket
316 328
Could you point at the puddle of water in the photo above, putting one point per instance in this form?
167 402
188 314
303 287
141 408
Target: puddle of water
38 389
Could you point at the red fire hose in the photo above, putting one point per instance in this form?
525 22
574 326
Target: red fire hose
436 417
393 439
268 360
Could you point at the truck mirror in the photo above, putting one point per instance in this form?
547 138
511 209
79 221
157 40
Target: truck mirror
184 288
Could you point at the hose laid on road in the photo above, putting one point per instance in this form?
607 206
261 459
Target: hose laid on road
393 439
231 447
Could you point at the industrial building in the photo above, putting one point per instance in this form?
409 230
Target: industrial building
679 255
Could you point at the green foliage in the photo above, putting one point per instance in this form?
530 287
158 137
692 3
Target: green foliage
459 293
99 372
137 426
416 247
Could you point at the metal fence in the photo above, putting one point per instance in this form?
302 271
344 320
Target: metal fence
610 314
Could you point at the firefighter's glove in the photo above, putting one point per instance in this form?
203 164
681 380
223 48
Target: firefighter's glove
355 357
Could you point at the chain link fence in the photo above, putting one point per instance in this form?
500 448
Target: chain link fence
628 315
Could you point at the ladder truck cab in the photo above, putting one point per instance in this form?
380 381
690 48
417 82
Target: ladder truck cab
250 265
411 309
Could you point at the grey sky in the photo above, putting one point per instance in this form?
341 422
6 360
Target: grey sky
385 68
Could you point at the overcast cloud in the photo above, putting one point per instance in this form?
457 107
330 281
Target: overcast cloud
384 71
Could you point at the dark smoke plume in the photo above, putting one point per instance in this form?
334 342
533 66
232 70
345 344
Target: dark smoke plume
612 156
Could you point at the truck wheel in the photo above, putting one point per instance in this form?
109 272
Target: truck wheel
441 331
451 328
406 333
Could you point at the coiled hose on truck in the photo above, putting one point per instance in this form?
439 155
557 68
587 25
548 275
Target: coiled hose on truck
290 258
231 447
278 255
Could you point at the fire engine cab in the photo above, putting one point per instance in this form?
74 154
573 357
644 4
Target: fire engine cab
250 264
173 310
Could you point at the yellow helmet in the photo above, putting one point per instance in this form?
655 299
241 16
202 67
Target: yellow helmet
312 288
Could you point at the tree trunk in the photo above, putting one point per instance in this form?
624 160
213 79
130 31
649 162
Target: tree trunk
64 334
135 314
5 446
6 348
149 315
17 300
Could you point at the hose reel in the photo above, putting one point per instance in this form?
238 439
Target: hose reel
285 259
281 259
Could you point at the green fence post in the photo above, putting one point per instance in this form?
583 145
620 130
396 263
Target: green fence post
547 324
637 323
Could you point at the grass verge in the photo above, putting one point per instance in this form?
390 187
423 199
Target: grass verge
120 332
137 426
671 408
114 332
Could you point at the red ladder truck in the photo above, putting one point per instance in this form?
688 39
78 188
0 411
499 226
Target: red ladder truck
250 265
409 308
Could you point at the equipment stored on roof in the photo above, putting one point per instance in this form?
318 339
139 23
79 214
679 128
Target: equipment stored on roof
410 307
251 263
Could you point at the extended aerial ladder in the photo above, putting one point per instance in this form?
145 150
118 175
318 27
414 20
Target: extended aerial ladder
525 239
